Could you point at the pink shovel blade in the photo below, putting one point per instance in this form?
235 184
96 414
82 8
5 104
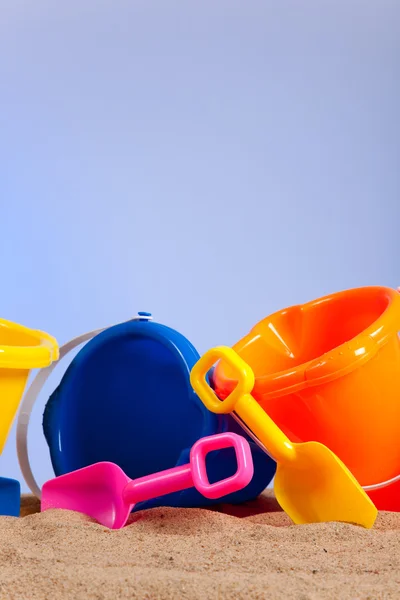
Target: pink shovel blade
95 490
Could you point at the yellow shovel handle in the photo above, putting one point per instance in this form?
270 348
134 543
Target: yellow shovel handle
240 401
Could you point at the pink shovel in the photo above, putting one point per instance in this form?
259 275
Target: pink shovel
105 493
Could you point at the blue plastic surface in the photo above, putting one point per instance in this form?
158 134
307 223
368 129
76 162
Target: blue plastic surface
10 497
126 398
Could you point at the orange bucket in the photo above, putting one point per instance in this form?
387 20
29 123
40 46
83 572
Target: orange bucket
329 371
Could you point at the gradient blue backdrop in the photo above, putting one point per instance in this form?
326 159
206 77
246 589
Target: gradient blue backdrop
210 162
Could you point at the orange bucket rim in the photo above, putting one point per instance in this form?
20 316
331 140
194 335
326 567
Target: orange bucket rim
332 364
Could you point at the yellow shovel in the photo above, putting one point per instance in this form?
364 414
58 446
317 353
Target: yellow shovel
311 483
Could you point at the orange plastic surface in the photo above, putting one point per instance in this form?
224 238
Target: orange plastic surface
387 498
329 371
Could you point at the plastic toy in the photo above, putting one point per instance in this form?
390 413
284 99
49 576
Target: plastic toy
10 497
329 371
21 349
311 484
104 492
385 495
126 398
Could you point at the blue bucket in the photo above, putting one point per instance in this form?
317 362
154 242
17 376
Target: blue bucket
126 398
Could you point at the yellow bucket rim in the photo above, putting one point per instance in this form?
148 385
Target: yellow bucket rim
41 353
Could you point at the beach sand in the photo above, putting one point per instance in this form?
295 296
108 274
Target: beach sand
247 552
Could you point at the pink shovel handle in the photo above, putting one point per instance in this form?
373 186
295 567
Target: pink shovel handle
195 473
237 481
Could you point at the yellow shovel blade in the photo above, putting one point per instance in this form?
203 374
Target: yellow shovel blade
317 487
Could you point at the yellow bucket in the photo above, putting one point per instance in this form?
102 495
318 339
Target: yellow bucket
21 349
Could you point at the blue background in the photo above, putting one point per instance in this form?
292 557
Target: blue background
210 162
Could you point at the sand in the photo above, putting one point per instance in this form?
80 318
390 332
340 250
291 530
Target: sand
248 552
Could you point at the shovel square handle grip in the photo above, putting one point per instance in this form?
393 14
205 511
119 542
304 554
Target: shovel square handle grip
238 481
244 374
